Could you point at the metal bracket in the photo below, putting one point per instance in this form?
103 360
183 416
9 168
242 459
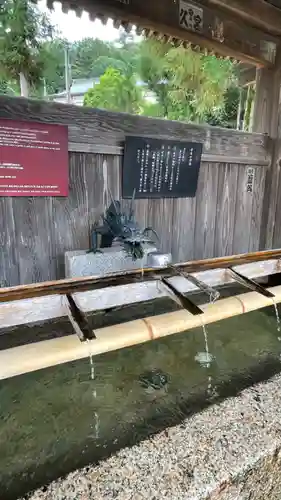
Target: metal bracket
78 320
181 299
210 291
249 283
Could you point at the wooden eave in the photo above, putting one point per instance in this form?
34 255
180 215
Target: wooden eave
245 30
259 13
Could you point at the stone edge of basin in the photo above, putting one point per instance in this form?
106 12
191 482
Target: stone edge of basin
230 451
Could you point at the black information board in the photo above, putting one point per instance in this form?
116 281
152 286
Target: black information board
157 168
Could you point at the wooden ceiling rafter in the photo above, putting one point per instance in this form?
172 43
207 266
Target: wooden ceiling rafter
247 75
258 12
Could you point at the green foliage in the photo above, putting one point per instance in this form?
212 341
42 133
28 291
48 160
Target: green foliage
84 55
23 28
91 57
153 110
9 88
152 70
116 92
187 86
127 51
52 56
226 116
104 62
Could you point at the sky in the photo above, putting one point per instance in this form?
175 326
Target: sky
74 28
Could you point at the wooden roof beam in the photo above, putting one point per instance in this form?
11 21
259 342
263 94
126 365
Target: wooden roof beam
247 76
257 12
216 30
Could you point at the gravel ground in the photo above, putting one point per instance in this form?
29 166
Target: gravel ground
218 453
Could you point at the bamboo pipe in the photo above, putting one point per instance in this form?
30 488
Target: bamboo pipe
73 285
32 357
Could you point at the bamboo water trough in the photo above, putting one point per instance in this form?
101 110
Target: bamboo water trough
74 298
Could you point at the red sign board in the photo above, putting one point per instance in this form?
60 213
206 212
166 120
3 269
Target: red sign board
33 159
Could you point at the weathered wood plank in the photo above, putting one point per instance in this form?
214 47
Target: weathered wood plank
141 207
183 229
96 188
119 151
235 159
9 270
271 196
70 228
277 225
257 12
267 119
263 100
206 204
87 125
160 218
243 212
256 218
95 184
34 239
114 173
82 147
142 212
227 189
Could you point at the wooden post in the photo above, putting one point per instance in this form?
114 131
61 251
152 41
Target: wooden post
248 116
266 120
239 109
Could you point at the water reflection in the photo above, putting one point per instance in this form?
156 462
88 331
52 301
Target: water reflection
58 419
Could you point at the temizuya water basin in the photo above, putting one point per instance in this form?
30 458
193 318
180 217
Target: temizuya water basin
58 419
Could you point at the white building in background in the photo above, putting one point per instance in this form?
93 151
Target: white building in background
80 87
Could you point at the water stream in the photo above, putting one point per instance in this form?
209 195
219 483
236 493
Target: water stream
204 358
92 366
142 267
94 392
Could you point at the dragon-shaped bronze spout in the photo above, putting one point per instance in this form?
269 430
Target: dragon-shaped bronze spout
121 227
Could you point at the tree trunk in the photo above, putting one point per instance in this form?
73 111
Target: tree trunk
24 90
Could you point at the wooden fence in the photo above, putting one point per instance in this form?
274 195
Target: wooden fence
223 219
